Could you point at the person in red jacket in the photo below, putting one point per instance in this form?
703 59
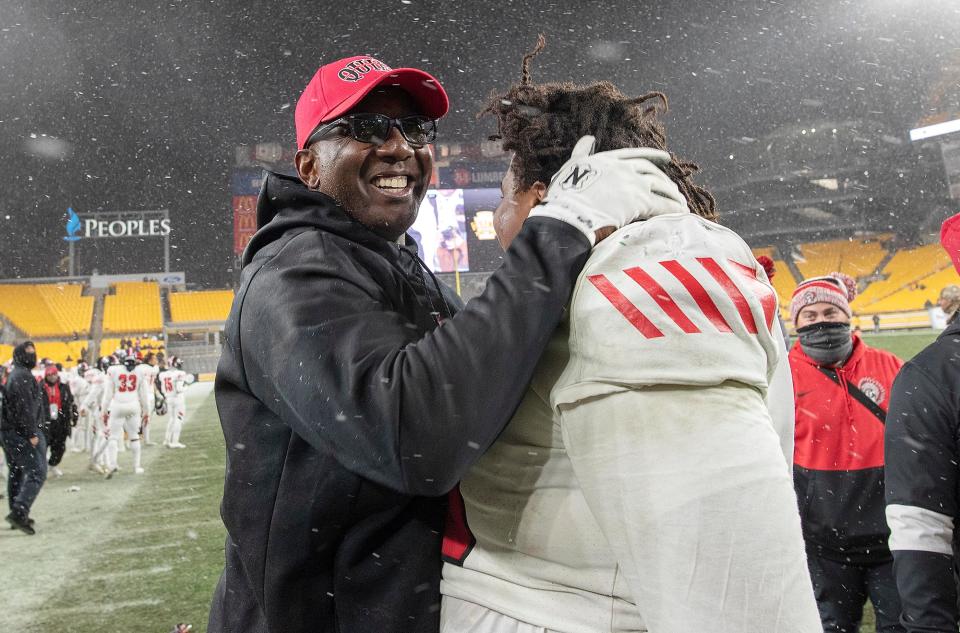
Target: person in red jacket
841 388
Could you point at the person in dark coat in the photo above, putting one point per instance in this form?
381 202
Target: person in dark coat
61 415
922 448
352 392
24 444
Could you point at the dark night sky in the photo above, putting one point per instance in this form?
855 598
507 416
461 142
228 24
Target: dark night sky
152 97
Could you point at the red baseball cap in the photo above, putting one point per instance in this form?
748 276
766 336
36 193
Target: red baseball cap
950 239
339 86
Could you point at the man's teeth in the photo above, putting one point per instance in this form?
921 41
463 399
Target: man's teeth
393 182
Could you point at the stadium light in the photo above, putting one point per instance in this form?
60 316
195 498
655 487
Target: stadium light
939 129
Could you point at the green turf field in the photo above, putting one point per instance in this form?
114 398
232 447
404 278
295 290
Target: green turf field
905 344
137 553
142 553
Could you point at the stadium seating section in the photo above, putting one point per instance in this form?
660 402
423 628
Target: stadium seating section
909 281
192 307
913 277
855 257
134 308
896 283
783 281
47 309
149 344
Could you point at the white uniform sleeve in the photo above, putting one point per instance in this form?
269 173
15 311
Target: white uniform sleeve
780 402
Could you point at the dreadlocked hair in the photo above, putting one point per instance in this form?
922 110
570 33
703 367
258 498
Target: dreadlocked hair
540 124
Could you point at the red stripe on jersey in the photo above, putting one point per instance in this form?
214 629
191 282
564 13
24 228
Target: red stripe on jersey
743 307
699 294
623 305
663 299
768 300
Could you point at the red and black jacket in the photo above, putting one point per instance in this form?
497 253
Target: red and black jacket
838 452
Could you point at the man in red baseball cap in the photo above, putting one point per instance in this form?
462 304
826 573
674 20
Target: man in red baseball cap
347 412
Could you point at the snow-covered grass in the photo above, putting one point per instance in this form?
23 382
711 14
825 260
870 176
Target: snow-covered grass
142 553
136 553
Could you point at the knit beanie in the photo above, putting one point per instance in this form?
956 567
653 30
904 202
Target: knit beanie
835 288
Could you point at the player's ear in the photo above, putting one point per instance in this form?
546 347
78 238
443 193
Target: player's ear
540 190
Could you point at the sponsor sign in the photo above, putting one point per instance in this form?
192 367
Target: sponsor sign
244 221
116 224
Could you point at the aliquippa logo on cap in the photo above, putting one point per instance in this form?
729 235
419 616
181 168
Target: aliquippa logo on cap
73 226
355 70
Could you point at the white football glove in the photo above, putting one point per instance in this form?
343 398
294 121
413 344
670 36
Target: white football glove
613 188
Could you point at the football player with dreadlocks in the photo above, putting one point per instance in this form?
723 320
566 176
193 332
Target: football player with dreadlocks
641 484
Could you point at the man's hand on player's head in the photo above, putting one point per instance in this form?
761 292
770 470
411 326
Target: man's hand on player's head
593 192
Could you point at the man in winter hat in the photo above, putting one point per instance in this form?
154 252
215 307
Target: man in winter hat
841 388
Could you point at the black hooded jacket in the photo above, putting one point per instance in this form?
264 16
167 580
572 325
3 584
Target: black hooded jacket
348 414
23 411
922 448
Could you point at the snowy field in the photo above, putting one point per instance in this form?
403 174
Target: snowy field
138 553
142 553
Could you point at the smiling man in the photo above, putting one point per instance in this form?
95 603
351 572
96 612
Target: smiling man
348 413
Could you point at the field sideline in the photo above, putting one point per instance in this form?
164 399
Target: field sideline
142 553
134 554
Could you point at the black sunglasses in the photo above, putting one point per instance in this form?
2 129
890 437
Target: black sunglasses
375 128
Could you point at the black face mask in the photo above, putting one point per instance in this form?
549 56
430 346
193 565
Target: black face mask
23 358
827 342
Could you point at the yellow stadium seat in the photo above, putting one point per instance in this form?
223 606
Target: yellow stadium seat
65 353
134 308
856 257
47 309
210 305
914 276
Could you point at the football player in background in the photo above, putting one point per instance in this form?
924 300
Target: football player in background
80 439
173 384
124 401
148 371
90 409
641 484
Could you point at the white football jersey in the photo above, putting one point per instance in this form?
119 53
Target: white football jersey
173 382
148 374
95 379
123 386
78 386
674 300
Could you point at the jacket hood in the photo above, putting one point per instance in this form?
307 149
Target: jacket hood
20 355
286 203
953 326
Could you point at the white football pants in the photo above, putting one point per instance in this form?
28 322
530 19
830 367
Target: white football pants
177 412
124 416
